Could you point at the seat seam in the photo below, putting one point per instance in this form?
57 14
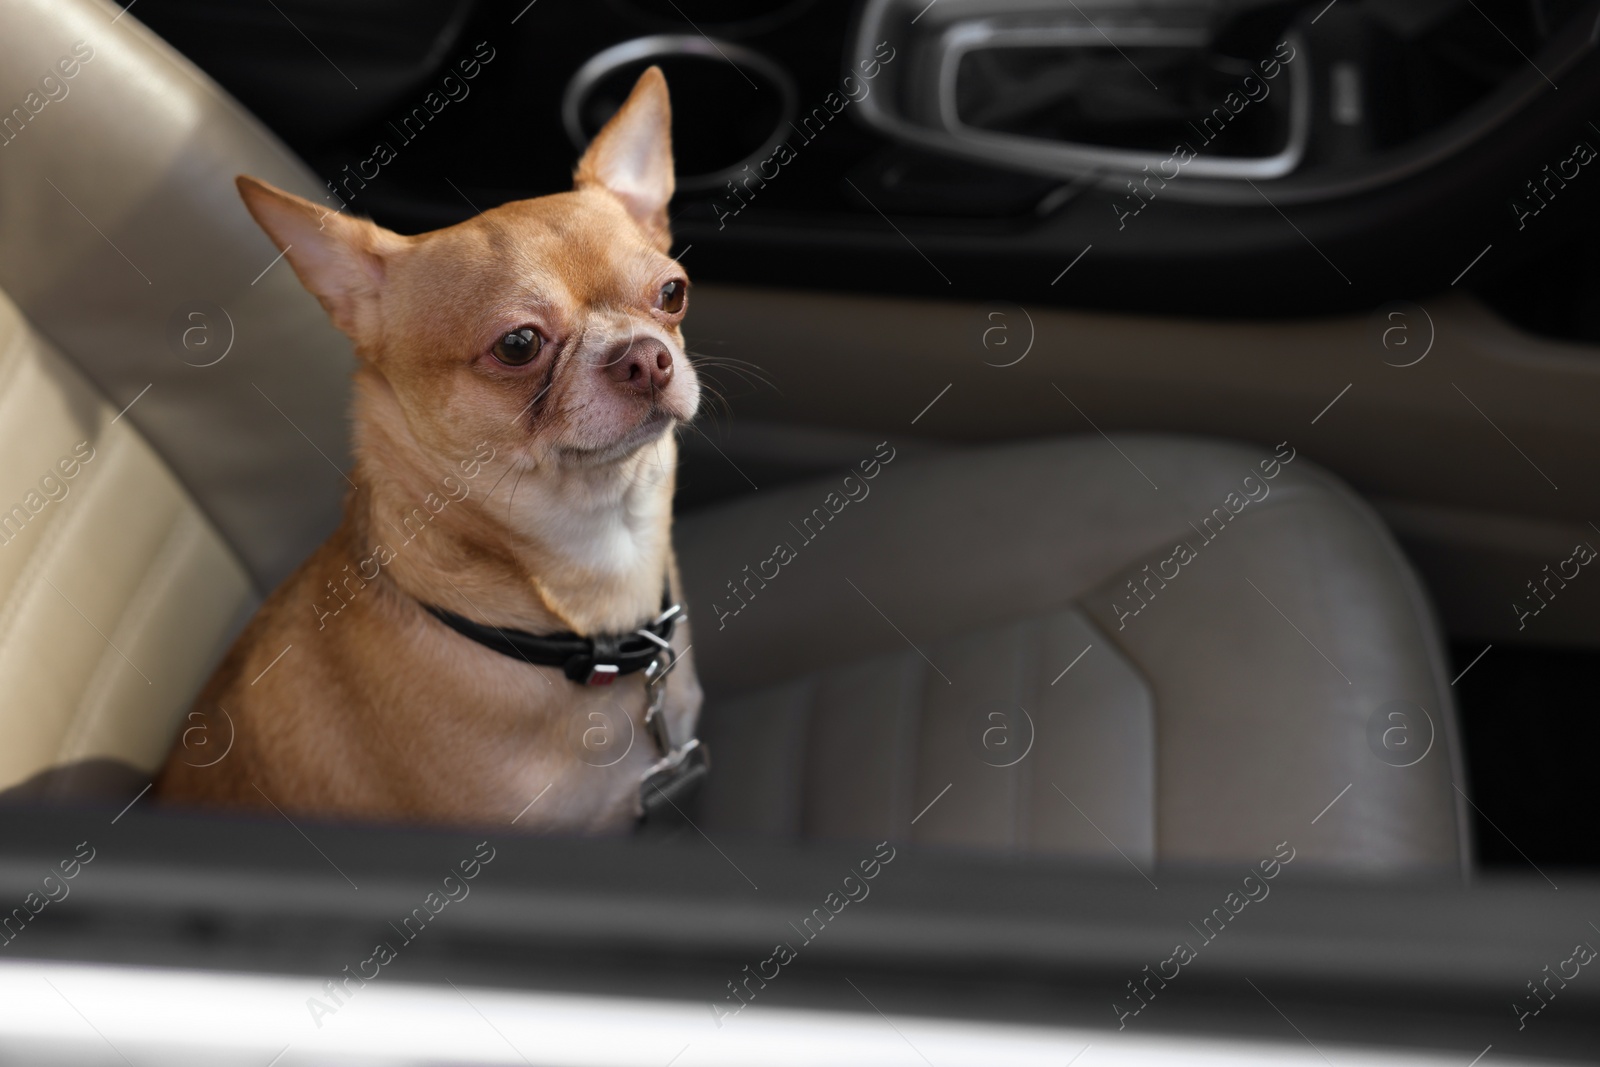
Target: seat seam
1422 616
1293 492
11 361
163 568
1086 616
911 721
32 573
1432 634
1029 632
798 815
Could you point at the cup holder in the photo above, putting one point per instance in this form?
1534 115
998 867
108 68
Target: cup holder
730 104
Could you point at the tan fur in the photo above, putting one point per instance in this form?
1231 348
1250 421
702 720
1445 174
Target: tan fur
379 710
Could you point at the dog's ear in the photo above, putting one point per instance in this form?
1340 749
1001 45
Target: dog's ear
340 259
632 156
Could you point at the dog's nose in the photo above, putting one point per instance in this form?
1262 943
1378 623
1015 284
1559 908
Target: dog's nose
643 364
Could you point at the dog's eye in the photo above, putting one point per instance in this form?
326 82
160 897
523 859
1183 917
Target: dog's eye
671 298
518 347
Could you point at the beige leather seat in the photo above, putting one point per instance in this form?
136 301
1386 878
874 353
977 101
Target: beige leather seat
855 696
118 593
119 223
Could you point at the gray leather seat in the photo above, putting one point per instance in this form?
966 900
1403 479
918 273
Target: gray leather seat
919 640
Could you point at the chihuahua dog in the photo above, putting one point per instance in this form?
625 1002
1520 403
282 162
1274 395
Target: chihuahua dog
520 377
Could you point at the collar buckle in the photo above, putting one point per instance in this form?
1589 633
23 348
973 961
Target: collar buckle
602 674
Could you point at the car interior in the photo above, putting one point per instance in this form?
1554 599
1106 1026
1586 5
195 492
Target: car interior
1228 511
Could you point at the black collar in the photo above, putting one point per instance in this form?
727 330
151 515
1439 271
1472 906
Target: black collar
671 782
597 660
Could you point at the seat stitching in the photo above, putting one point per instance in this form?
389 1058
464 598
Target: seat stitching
800 777
909 723
1022 782
176 549
11 361
1086 616
1293 492
1428 625
28 582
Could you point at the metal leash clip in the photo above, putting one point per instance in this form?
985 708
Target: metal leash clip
655 674
655 720
674 777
